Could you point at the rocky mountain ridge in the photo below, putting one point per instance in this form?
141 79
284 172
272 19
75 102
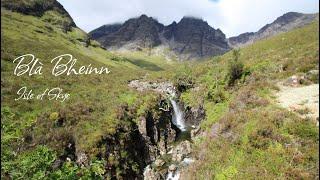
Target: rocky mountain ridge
189 38
284 23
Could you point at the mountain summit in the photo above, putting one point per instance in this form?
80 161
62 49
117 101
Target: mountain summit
189 38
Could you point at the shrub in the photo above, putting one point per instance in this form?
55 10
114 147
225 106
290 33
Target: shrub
235 69
183 80
217 95
31 165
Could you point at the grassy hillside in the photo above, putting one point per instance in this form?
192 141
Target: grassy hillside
91 112
246 134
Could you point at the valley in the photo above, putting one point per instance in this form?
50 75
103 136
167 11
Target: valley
196 110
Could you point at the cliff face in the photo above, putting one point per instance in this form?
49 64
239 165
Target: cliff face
133 34
282 24
104 30
190 38
195 38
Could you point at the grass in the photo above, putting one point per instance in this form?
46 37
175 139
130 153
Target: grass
257 139
91 112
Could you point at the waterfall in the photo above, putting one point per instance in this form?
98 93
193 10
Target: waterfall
178 116
173 175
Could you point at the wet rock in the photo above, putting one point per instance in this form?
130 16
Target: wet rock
193 116
172 168
181 151
187 161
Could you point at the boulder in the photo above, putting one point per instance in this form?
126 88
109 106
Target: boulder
159 162
172 168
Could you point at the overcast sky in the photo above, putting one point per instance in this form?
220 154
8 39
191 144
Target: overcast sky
231 16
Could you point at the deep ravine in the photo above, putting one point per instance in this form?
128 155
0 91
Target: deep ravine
177 153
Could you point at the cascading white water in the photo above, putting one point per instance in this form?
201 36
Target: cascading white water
178 116
173 176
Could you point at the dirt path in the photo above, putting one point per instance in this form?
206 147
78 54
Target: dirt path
304 100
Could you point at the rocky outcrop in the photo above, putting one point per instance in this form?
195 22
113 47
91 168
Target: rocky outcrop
104 30
40 8
302 79
193 37
164 88
190 38
194 115
140 140
282 24
136 33
181 151
158 133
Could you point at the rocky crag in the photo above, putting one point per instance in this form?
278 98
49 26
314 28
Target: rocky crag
189 38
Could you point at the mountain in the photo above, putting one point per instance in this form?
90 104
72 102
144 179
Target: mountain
134 33
121 125
105 29
190 38
51 10
284 23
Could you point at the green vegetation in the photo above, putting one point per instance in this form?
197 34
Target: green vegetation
91 112
247 135
235 70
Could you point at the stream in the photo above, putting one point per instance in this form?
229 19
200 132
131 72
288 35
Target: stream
182 148
178 116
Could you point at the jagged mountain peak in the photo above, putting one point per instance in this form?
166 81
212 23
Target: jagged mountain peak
191 37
